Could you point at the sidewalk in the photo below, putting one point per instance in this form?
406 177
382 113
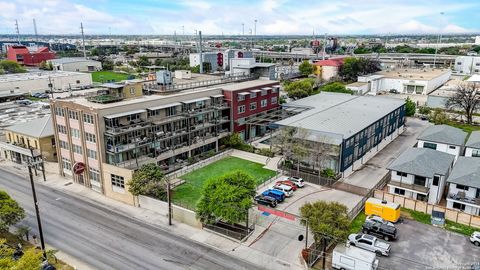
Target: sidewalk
239 250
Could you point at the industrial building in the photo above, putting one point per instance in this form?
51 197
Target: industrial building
77 64
29 56
218 61
405 81
248 66
354 127
467 65
120 129
41 81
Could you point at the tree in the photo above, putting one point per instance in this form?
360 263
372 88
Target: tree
227 198
305 68
30 260
11 67
233 140
107 64
10 211
143 61
149 181
438 117
354 67
410 107
299 89
336 87
327 221
467 98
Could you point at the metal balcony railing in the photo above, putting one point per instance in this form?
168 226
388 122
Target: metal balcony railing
460 196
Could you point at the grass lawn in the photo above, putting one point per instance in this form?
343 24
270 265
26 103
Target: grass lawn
12 240
189 193
465 127
104 76
357 223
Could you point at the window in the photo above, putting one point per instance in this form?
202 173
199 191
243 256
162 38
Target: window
422 197
436 179
264 103
77 149
459 206
62 129
419 180
275 89
94 175
66 164
253 106
241 97
88 118
92 154
118 181
171 111
75 133
78 81
241 121
430 145
241 109
133 117
475 153
402 174
253 94
462 187
89 137
73 115
399 191
64 145
59 112
452 147
132 90
274 100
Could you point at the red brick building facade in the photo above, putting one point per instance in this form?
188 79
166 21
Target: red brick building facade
22 55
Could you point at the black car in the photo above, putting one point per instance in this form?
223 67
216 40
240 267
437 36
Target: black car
382 230
266 200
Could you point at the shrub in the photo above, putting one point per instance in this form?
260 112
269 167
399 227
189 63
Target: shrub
265 152
328 172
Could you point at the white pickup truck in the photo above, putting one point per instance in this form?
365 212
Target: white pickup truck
370 243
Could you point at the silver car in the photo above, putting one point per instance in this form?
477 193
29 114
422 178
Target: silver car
370 243
475 238
380 220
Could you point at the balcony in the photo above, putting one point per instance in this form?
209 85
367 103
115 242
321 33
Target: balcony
460 196
136 162
410 187
134 125
168 119
221 105
117 148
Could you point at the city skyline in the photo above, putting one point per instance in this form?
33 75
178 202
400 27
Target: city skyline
55 17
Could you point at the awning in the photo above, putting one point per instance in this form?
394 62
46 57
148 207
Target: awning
18 149
217 96
195 100
267 88
111 116
255 90
164 106
244 93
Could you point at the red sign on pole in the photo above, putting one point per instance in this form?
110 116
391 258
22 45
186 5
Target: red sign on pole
79 168
275 212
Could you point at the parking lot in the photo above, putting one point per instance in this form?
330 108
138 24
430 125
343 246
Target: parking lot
422 246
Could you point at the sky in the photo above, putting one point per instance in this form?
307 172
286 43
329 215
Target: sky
274 17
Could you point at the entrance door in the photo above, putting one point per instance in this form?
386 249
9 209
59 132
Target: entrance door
80 179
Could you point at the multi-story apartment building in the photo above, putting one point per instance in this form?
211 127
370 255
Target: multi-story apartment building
113 134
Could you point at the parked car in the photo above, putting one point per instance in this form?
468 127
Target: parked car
380 220
23 102
369 242
297 181
353 258
274 193
266 200
394 91
288 183
42 96
475 238
382 230
285 189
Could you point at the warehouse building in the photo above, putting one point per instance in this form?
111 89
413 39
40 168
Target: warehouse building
35 82
78 64
355 127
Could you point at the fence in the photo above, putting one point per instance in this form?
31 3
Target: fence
179 214
360 205
424 207
311 178
199 164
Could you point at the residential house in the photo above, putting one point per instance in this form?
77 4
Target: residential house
327 69
472 147
443 138
464 186
420 174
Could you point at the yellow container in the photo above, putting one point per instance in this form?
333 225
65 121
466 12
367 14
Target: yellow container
387 210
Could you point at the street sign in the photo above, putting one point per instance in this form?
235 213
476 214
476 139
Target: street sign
275 212
79 168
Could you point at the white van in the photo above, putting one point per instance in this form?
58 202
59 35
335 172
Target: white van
286 189
352 258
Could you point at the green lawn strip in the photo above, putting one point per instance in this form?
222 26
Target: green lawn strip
189 193
104 76
357 222
449 225
465 127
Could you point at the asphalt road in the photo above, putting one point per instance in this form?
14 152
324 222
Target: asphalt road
105 239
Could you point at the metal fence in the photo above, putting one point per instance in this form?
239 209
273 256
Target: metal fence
309 177
360 205
198 165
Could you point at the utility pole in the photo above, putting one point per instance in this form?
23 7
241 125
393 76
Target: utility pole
18 31
35 29
200 50
169 200
243 29
83 41
254 32
324 46
50 85
35 201
438 44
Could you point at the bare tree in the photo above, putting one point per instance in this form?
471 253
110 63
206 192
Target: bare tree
291 143
467 97
321 149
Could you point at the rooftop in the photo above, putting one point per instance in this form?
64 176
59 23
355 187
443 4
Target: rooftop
246 84
38 75
341 114
66 60
474 140
444 134
38 128
336 62
413 74
356 84
466 172
422 162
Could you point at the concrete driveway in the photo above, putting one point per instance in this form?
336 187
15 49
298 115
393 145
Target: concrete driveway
373 171
422 246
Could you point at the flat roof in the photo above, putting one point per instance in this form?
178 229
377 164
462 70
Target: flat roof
474 78
28 76
341 114
356 84
195 100
247 84
413 74
111 116
164 106
66 60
